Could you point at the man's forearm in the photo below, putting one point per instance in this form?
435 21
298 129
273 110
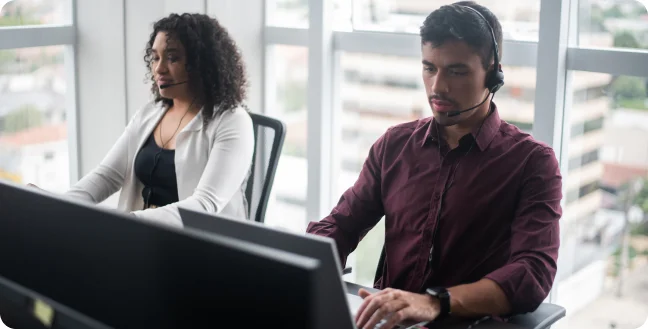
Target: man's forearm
481 298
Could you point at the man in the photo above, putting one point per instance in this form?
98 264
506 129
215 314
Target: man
471 203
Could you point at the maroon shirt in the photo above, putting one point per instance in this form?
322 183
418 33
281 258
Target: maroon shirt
499 218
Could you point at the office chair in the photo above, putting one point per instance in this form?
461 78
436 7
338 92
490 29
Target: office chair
260 123
542 318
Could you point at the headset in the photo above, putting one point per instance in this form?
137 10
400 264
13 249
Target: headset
495 77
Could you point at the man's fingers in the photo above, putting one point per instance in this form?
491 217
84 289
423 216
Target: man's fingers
385 311
370 305
368 308
395 318
367 296
363 307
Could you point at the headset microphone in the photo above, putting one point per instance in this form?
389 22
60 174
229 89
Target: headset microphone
164 86
456 113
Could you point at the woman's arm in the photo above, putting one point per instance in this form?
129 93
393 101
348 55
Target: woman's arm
227 167
107 178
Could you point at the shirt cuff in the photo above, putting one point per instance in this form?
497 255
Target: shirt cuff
522 290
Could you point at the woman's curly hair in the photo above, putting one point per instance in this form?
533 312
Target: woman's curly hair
213 61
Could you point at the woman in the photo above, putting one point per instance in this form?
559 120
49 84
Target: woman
192 146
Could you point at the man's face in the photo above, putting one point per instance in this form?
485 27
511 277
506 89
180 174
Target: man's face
454 80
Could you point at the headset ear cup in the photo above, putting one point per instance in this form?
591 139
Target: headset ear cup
494 81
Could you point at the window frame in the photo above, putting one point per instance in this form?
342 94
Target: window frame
556 55
26 36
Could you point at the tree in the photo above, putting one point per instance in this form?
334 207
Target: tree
7 57
15 14
627 89
596 21
613 12
25 117
17 20
628 193
639 10
625 39
641 201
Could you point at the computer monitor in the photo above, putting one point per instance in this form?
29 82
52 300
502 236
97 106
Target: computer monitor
21 308
129 273
334 309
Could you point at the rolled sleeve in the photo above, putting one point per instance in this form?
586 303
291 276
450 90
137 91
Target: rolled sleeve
535 237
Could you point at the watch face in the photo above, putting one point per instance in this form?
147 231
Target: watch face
434 292
438 292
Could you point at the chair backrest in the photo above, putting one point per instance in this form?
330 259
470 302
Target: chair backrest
261 123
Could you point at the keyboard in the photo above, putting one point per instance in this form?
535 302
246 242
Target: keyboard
356 301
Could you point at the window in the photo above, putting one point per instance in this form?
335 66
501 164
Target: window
382 91
607 159
618 24
32 12
32 117
601 141
519 20
584 159
294 13
289 13
286 208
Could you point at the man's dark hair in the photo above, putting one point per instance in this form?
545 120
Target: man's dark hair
454 22
213 61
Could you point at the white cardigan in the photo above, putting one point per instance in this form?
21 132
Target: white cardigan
212 165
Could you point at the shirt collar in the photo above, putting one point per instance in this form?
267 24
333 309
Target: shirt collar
484 137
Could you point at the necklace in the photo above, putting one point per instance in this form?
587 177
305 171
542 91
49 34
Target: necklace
178 128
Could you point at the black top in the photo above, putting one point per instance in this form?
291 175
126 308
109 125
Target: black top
155 168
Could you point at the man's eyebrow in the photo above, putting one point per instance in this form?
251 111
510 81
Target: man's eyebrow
450 66
457 66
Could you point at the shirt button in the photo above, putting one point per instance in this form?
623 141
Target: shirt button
436 197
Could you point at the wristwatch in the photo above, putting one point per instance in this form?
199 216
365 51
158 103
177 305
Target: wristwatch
443 295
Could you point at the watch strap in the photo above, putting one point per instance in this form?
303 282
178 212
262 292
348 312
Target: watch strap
443 295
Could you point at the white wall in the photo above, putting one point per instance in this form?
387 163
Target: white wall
112 35
244 21
101 70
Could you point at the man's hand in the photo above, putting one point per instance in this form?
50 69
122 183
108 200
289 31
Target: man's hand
395 306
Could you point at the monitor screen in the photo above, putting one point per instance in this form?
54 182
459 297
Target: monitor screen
130 273
333 293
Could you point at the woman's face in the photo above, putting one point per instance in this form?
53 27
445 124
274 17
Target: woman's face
168 67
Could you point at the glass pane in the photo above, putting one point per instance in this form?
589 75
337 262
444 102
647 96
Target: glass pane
294 13
602 279
287 13
618 24
32 12
287 206
519 19
33 130
381 91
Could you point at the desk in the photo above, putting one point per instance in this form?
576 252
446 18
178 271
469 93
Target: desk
450 323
